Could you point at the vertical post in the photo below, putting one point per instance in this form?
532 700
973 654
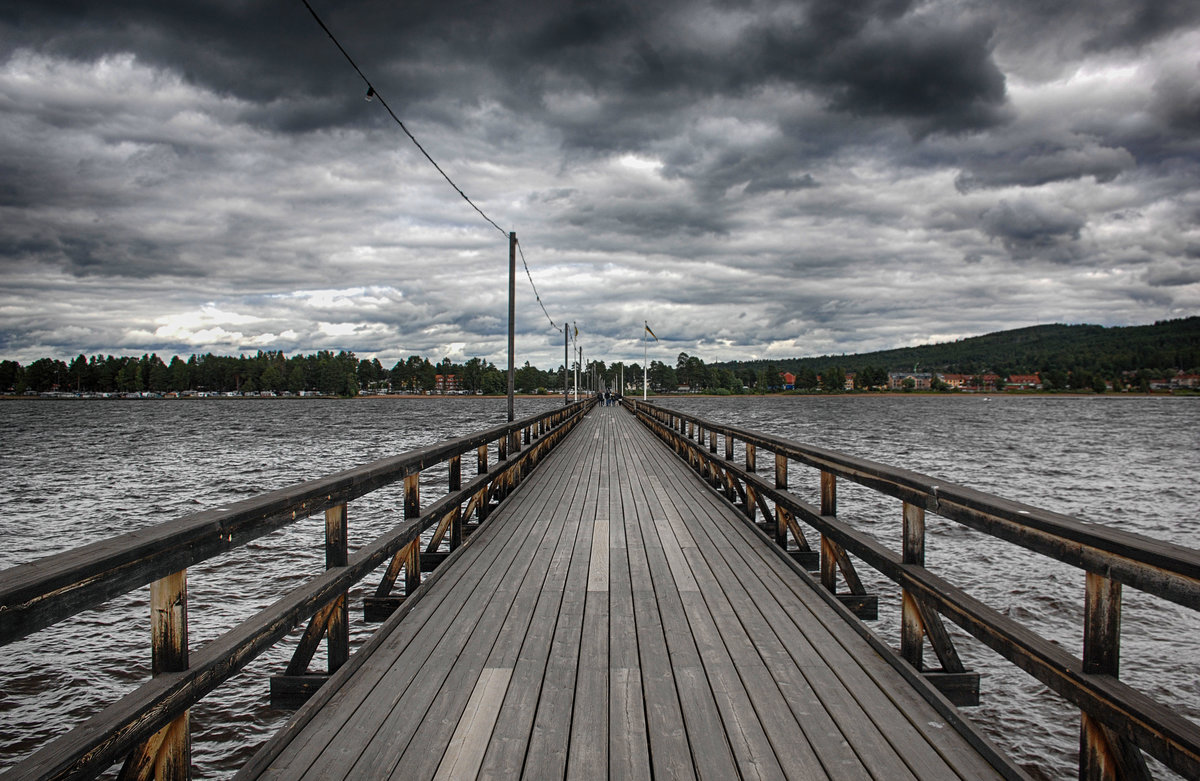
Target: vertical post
337 554
781 482
828 508
481 466
566 367
412 509
751 460
412 496
645 367
729 447
456 485
912 628
512 314
1101 755
169 653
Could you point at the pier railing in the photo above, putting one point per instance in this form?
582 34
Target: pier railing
1117 720
148 729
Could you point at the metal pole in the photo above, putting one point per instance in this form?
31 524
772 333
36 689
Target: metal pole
512 313
645 369
566 367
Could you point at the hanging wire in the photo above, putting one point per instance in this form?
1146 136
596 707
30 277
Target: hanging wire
374 93
535 290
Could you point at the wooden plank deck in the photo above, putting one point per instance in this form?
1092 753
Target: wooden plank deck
616 618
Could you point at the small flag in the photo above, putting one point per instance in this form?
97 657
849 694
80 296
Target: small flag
651 332
576 331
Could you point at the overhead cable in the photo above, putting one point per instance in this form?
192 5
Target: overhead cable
374 93
535 290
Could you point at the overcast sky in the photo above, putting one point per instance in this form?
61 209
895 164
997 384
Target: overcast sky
756 179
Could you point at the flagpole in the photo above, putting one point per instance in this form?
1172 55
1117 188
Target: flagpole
645 369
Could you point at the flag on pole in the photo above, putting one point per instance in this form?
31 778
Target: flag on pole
655 338
576 331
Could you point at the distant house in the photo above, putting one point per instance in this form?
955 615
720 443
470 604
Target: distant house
955 381
1182 380
446 383
1023 382
849 381
789 381
921 380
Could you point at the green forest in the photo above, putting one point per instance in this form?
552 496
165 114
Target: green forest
1067 356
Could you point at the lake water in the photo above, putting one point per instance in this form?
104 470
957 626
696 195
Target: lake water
76 472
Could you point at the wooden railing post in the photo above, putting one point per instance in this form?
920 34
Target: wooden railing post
912 632
1103 755
412 511
456 485
337 554
751 460
166 755
781 482
481 462
828 509
729 447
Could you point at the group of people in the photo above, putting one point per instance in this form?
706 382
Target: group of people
608 398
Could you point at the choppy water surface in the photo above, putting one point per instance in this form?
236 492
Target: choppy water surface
76 472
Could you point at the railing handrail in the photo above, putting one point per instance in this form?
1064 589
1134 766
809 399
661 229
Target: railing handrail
40 593
130 721
1157 567
1117 719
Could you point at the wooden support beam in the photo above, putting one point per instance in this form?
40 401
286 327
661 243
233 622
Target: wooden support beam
781 482
337 554
167 754
912 630
751 463
412 568
412 496
1104 755
729 447
481 460
829 510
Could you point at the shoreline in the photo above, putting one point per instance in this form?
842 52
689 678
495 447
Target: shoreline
731 397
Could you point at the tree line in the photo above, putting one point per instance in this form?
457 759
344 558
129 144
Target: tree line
324 372
1108 352
1066 357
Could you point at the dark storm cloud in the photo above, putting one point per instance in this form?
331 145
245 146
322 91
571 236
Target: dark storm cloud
1042 164
1032 230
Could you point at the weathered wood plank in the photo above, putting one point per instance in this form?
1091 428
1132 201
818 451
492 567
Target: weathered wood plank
465 754
697 653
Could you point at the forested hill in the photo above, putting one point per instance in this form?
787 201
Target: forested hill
1169 344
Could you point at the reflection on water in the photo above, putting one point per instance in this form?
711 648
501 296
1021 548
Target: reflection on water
77 472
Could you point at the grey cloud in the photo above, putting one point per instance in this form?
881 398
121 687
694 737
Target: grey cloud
1031 166
1173 274
940 77
1029 229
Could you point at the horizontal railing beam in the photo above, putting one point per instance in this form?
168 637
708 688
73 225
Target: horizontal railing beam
41 593
1157 567
1151 726
105 738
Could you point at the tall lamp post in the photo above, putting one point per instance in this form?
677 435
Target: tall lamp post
512 313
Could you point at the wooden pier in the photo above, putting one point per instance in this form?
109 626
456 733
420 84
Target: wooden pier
611 595
617 619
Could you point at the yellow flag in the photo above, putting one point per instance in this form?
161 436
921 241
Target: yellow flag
652 336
